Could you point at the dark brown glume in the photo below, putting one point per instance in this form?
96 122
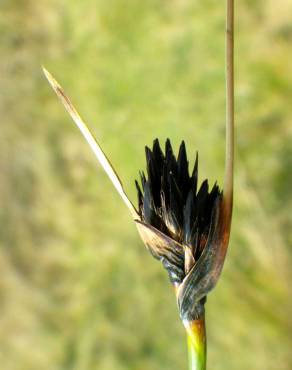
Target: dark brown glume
168 198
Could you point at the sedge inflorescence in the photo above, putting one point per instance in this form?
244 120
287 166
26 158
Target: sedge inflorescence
182 214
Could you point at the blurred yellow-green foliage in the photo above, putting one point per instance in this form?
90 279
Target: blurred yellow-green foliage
78 290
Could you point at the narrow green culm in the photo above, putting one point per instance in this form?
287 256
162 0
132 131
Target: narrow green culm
197 348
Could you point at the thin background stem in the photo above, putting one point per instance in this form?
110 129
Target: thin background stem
229 160
197 345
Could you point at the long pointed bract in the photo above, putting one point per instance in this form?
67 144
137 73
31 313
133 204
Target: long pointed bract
91 141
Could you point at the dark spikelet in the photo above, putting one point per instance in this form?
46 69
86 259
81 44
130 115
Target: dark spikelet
140 196
183 171
142 179
158 155
194 177
148 205
169 201
170 161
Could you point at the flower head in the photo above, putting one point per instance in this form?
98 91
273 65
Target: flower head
170 201
179 223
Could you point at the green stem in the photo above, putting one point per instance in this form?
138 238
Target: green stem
197 345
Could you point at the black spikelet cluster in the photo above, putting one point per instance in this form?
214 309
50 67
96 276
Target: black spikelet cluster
169 198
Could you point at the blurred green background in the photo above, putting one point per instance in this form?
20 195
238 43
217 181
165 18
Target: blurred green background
78 290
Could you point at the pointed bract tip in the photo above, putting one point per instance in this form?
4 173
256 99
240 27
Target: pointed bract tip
46 72
53 82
